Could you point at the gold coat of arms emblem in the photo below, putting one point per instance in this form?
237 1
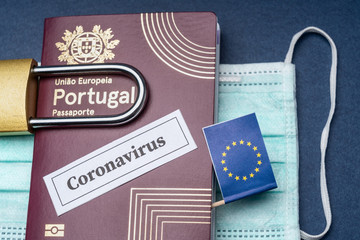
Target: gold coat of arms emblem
87 47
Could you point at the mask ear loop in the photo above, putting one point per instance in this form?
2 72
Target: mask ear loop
326 130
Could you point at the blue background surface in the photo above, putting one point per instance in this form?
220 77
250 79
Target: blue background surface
258 31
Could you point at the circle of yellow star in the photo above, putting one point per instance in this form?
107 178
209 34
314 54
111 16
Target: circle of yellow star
232 145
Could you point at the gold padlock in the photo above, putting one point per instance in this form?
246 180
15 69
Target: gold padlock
18 92
18 95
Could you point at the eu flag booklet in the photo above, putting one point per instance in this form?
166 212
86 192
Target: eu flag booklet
239 158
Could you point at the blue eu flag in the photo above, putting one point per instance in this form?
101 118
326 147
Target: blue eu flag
239 157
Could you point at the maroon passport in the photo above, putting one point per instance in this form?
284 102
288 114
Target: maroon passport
176 54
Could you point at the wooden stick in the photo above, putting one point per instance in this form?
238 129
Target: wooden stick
216 204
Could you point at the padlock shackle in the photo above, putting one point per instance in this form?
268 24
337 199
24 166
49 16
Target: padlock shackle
109 68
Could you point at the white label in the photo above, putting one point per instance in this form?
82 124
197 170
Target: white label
119 162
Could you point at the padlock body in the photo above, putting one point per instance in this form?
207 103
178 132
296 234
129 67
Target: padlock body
18 94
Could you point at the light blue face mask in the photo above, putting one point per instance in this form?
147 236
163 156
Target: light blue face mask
268 89
15 170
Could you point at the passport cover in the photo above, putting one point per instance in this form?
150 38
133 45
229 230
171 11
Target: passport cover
176 53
